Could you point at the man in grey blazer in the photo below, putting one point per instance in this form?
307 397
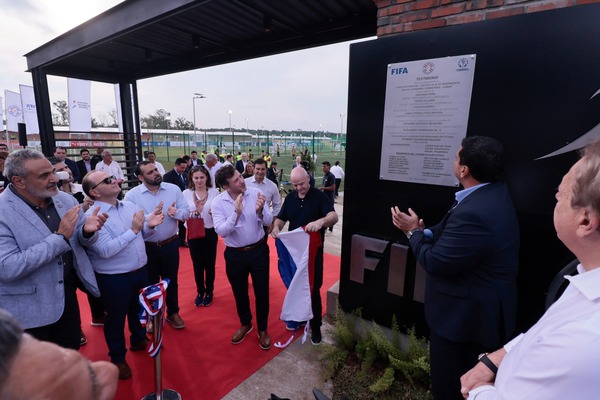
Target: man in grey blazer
40 251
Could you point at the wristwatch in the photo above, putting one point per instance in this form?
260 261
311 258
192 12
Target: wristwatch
410 233
483 357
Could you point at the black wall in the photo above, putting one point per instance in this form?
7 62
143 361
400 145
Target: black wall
534 77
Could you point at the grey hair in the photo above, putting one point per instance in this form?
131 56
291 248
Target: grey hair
211 156
15 163
11 336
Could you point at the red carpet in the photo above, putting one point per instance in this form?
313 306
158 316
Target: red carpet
199 362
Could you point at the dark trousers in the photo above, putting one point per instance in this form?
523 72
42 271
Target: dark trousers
315 298
163 262
66 331
204 255
338 182
449 361
182 231
240 264
120 295
96 307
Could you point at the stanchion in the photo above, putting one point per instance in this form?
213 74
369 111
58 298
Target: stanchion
152 299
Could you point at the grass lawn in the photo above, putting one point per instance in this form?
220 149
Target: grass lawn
284 161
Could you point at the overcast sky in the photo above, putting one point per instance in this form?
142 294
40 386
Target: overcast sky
300 90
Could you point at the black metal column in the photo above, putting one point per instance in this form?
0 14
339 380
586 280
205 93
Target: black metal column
44 111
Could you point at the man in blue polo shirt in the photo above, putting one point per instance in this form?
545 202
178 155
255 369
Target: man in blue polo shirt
309 207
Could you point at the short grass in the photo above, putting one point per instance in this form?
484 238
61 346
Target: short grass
284 161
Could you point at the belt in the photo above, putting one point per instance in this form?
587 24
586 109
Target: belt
249 247
163 242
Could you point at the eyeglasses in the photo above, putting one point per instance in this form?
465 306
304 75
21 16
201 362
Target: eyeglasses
107 181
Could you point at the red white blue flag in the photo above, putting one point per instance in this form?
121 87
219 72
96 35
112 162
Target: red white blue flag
296 252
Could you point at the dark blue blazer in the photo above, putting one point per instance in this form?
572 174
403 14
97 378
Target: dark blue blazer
173 177
472 265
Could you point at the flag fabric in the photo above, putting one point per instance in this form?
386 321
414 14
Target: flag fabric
29 109
80 113
296 252
14 110
152 299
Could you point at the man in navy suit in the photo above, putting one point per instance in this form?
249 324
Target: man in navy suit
61 154
178 177
471 259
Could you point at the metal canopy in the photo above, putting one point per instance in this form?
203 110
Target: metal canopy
140 39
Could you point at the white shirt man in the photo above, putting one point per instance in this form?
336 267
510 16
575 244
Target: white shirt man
158 165
110 167
558 357
268 188
212 165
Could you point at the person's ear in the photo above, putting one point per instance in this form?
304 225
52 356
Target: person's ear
18 182
588 222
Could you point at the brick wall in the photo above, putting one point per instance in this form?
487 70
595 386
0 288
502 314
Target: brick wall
397 16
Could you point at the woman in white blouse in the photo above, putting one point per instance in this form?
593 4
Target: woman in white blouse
199 196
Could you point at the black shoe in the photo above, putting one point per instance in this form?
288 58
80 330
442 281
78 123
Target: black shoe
141 345
207 300
315 336
199 300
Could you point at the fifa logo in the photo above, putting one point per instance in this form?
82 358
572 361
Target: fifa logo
399 71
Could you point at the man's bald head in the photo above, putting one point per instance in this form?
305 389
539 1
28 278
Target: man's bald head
300 181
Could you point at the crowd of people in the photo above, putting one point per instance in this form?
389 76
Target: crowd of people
60 230
67 225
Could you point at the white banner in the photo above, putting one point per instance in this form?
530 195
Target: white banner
14 111
80 113
29 109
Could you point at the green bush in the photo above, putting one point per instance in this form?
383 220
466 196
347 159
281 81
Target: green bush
380 366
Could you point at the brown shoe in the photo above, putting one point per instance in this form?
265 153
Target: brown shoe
141 345
264 341
241 334
176 321
124 370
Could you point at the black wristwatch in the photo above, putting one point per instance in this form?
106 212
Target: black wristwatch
483 357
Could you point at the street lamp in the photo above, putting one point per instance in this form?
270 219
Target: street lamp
197 96
232 136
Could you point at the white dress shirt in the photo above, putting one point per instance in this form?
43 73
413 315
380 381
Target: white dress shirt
270 190
558 357
159 167
242 231
111 169
168 193
337 171
213 171
190 196
118 249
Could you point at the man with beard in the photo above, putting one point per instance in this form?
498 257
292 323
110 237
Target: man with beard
163 250
41 231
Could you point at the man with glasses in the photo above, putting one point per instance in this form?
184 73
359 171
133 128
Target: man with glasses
163 249
41 253
119 260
